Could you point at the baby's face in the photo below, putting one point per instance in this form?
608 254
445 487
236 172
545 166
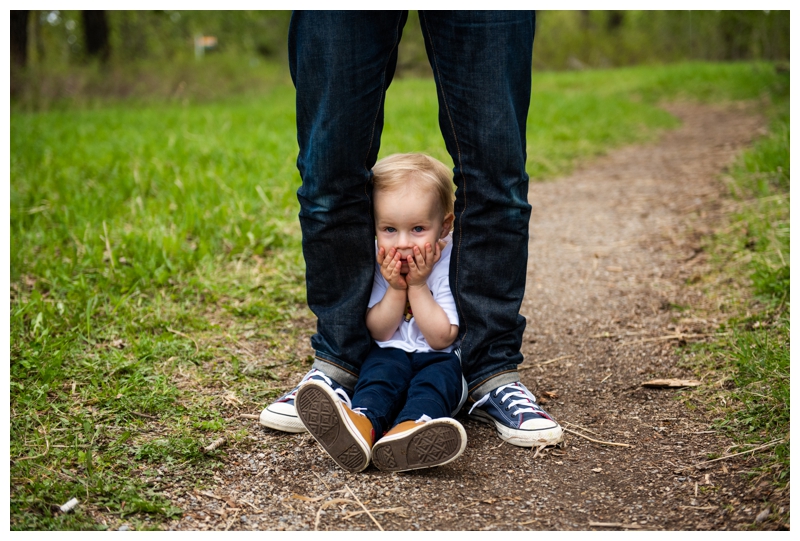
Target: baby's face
406 218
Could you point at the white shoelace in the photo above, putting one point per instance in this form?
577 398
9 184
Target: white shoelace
523 395
293 394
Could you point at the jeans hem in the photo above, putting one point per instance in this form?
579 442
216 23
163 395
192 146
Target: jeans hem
491 383
342 376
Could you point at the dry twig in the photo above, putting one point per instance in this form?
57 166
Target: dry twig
328 504
138 414
676 336
364 508
108 247
179 333
615 525
765 446
230 522
581 427
520 369
248 416
213 445
321 480
208 494
598 441
400 510
556 359
306 498
251 505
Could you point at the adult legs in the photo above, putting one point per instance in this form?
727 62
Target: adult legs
482 66
341 63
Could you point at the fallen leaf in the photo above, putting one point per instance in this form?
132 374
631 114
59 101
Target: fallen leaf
672 383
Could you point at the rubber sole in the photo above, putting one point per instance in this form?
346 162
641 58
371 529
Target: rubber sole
323 415
285 422
433 443
522 438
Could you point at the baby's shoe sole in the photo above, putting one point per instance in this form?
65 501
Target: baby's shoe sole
433 443
323 415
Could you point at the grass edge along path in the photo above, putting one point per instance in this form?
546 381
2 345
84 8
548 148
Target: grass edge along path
747 369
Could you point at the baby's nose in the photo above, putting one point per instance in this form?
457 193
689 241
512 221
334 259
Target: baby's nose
404 242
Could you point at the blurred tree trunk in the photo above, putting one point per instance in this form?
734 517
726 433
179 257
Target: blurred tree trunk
736 28
19 37
614 20
38 38
95 28
586 21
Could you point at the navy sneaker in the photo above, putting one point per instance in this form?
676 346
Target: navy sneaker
282 414
519 420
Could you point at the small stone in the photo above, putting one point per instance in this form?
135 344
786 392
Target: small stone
124 528
763 515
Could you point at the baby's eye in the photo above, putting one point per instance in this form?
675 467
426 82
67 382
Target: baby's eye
418 229
390 229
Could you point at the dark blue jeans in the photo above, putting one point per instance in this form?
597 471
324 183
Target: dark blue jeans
342 62
396 386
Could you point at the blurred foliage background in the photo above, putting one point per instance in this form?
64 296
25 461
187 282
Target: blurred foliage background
79 58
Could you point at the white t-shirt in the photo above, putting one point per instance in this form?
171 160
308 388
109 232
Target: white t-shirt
408 337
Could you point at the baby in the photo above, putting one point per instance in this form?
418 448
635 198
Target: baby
410 383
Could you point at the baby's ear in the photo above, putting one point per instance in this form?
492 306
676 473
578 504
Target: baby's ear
447 224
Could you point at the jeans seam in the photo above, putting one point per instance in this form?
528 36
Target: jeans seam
424 20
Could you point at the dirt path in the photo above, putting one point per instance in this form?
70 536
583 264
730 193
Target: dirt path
611 247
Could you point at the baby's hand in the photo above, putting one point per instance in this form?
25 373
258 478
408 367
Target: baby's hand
421 265
390 268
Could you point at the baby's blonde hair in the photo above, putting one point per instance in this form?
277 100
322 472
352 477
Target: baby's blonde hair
394 172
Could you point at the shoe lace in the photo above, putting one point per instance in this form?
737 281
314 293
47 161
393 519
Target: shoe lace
316 374
341 393
517 391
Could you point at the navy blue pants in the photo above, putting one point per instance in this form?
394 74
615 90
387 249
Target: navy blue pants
396 386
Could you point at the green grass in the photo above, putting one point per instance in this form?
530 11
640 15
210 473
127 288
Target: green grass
751 254
151 245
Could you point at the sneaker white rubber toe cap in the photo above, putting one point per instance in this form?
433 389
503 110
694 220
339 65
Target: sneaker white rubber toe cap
533 433
281 416
539 423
